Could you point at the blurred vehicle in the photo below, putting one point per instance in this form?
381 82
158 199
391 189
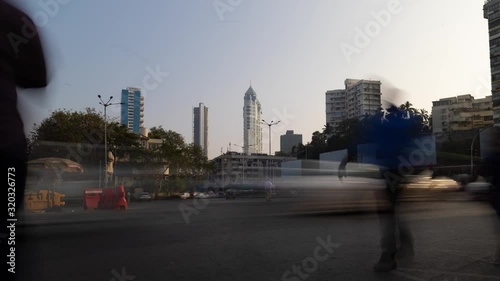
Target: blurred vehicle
185 195
211 194
479 189
230 193
137 193
200 195
221 194
145 196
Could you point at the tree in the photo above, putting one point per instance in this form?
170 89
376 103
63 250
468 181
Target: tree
407 107
77 135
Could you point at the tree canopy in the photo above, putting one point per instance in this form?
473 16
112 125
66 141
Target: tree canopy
353 131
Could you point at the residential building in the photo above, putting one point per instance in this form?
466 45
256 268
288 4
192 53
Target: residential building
358 99
461 113
132 111
336 108
492 14
252 119
200 127
289 140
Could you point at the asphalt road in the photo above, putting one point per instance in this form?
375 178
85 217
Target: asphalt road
249 239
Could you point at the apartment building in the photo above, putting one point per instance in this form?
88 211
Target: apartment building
461 113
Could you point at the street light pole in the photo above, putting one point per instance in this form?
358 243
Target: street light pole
106 104
472 146
269 125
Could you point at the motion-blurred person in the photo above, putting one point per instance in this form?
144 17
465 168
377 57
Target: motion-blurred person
22 64
489 169
394 135
268 186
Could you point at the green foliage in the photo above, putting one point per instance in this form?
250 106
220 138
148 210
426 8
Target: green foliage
79 136
354 131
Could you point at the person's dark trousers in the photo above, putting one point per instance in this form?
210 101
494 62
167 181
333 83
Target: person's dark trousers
495 201
391 222
14 171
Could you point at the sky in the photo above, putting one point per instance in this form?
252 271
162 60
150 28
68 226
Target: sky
182 53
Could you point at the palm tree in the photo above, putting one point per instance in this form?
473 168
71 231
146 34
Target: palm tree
328 130
425 115
407 107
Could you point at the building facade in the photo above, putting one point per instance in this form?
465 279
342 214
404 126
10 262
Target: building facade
336 107
359 98
289 140
492 14
461 113
237 168
252 123
132 109
200 127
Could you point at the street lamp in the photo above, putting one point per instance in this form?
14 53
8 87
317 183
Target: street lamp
269 125
472 146
105 105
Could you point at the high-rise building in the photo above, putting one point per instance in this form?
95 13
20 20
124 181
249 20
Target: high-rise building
289 140
200 127
492 14
359 98
461 113
252 120
132 111
336 109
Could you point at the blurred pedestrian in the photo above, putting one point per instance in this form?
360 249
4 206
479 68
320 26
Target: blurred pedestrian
394 134
342 168
489 169
268 186
22 64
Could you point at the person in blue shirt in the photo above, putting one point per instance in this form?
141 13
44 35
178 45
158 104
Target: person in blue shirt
394 134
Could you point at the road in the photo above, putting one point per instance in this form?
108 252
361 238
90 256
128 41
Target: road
249 239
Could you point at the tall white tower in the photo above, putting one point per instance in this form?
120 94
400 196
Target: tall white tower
200 127
252 119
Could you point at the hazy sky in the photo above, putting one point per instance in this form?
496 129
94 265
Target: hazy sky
292 51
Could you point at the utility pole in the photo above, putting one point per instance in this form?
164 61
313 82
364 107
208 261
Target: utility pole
105 105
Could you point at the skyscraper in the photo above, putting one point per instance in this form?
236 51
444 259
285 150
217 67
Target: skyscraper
492 14
252 118
132 111
200 127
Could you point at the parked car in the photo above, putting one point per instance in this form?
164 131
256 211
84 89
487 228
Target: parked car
145 196
185 195
200 195
221 194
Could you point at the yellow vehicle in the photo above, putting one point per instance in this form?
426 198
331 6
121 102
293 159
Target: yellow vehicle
43 200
